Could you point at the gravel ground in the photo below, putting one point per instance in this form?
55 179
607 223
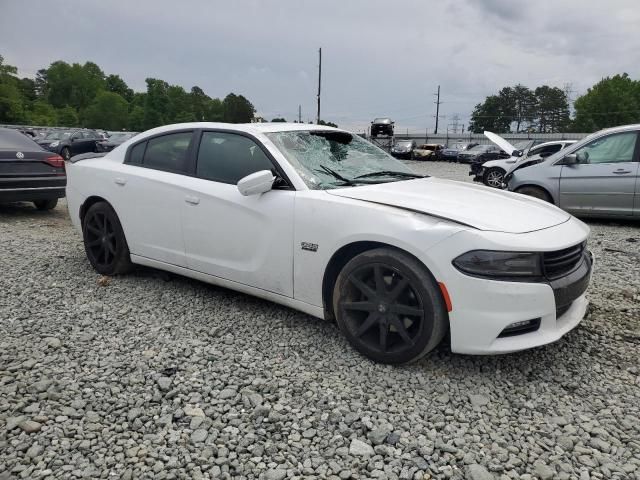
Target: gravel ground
152 376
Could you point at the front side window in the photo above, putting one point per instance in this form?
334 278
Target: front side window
168 152
615 148
228 157
334 159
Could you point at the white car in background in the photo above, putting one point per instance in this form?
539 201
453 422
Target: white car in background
492 173
322 221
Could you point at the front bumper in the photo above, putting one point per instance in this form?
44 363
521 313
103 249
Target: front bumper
477 171
557 305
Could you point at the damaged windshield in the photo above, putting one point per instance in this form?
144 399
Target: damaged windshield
330 159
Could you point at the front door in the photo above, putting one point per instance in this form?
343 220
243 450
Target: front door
604 180
243 239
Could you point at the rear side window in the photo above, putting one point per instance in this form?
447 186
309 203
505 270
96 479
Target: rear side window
227 157
168 152
137 153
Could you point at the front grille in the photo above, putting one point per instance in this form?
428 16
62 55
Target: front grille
561 262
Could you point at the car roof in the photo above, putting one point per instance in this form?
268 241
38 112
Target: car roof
253 128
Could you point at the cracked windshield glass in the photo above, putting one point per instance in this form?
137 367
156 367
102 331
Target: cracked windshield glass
334 159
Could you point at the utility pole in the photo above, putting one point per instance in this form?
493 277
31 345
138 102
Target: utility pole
319 80
299 113
437 102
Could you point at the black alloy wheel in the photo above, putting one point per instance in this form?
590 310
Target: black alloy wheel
389 306
104 240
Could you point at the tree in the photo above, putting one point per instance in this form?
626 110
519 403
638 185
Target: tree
42 113
237 109
115 84
108 110
156 105
552 109
136 119
67 117
328 124
11 99
490 115
281 120
610 102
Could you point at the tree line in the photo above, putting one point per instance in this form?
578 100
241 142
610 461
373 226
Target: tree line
73 94
610 102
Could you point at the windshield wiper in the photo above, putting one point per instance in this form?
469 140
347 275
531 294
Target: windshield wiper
391 173
336 175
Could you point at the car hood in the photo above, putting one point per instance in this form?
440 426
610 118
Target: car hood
501 142
472 205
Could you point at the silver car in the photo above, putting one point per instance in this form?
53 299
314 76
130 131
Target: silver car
598 176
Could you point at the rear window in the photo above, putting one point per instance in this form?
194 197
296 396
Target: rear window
14 140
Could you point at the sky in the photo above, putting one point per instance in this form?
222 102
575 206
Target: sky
379 58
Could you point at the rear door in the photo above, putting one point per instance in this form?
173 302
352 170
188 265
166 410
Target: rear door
148 195
604 182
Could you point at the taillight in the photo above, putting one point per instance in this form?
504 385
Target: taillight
55 161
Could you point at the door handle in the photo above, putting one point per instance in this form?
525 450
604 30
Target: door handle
621 171
120 181
192 200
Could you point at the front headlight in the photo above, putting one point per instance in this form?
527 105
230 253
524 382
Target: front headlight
494 264
54 144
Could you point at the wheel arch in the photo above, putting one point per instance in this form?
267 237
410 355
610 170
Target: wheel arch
88 203
554 200
342 256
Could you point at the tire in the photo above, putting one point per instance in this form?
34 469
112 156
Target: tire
65 153
535 192
493 177
104 241
48 204
368 295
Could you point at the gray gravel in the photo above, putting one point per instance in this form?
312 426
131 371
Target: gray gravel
151 376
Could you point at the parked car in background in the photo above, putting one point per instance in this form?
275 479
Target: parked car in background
492 172
597 176
450 153
428 151
404 149
481 153
322 221
70 142
382 127
115 139
28 172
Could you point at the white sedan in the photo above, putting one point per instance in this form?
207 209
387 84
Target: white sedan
322 221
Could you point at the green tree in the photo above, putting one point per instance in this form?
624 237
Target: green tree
491 115
156 105
115 84
180 106
136 119
237 109
43 114
610 102
328 124
67 117
108 110
215 110
11 99
552 109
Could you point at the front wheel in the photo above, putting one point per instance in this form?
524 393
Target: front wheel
389 306
104 240
493 177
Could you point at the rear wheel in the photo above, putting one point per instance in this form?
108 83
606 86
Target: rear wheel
389 306
104 240
493 177
535 192
49 204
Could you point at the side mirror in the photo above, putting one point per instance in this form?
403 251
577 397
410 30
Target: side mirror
256 183
582 157
571 159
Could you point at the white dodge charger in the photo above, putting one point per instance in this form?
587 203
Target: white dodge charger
322 221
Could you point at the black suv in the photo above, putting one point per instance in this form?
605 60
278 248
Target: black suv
68 143
382 127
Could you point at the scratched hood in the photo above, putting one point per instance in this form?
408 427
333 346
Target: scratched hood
473 205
